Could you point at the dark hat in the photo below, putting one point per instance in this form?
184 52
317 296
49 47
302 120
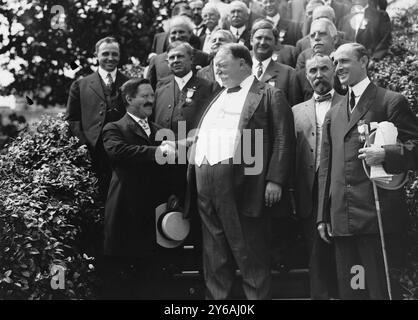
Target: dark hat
171 228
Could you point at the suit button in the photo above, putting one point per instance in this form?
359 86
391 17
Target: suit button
311 150
313 133
102 104
169 106
101 112
311 166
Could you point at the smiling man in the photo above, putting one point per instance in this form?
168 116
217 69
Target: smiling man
264 38
138 185
346 205
237 228
94 101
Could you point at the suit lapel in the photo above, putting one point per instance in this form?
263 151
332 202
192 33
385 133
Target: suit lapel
136 128
96 85
362 106
251 103
270 72
310 112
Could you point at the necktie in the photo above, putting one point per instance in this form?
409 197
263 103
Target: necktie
145 126
324 97
352 100
259 70
234 89
109 80
237 35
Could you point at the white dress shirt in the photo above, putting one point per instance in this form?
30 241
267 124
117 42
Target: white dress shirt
255 66
181 82
275 19
234 31
218 132
358 89
103 74
142 122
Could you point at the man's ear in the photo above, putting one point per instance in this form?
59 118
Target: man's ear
128 99
364 61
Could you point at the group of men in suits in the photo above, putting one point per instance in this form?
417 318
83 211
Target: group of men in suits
309 153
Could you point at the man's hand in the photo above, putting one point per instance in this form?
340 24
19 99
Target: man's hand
168 148
173 202
372 155
273 193
324 230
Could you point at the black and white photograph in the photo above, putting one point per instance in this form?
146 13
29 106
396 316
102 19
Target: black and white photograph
187 152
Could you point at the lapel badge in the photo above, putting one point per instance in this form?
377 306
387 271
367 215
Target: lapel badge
282 34
272 83
189 94
274 56
364 23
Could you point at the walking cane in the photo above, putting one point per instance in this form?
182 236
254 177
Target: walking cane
363 129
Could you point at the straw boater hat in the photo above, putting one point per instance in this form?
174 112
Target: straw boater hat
171 228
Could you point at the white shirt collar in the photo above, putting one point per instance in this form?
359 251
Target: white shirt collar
247 82
328 2
332 91
181 82
275 18
240 30
360 87
137 119
103 74
264 62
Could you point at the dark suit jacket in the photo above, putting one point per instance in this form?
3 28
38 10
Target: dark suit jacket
161 41
265 108
190 111
376 35
345 192
304 115
158 66
167 114
86 107
290 32
285 54
282 77
341 10
208 74
136 188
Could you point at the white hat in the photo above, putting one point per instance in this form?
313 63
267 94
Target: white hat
171 228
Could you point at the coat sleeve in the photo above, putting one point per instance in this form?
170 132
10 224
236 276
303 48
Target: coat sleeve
385 34
152 73
324 178
73 112
283 138
404 155
121 152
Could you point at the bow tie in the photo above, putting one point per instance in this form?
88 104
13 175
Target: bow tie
234 89
324 97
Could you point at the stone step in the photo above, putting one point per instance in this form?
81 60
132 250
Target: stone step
189 285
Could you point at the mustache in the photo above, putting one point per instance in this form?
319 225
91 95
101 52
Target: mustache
148 104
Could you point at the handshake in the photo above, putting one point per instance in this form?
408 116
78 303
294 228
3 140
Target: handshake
169 150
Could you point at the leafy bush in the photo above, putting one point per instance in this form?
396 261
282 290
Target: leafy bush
48 202
398 71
